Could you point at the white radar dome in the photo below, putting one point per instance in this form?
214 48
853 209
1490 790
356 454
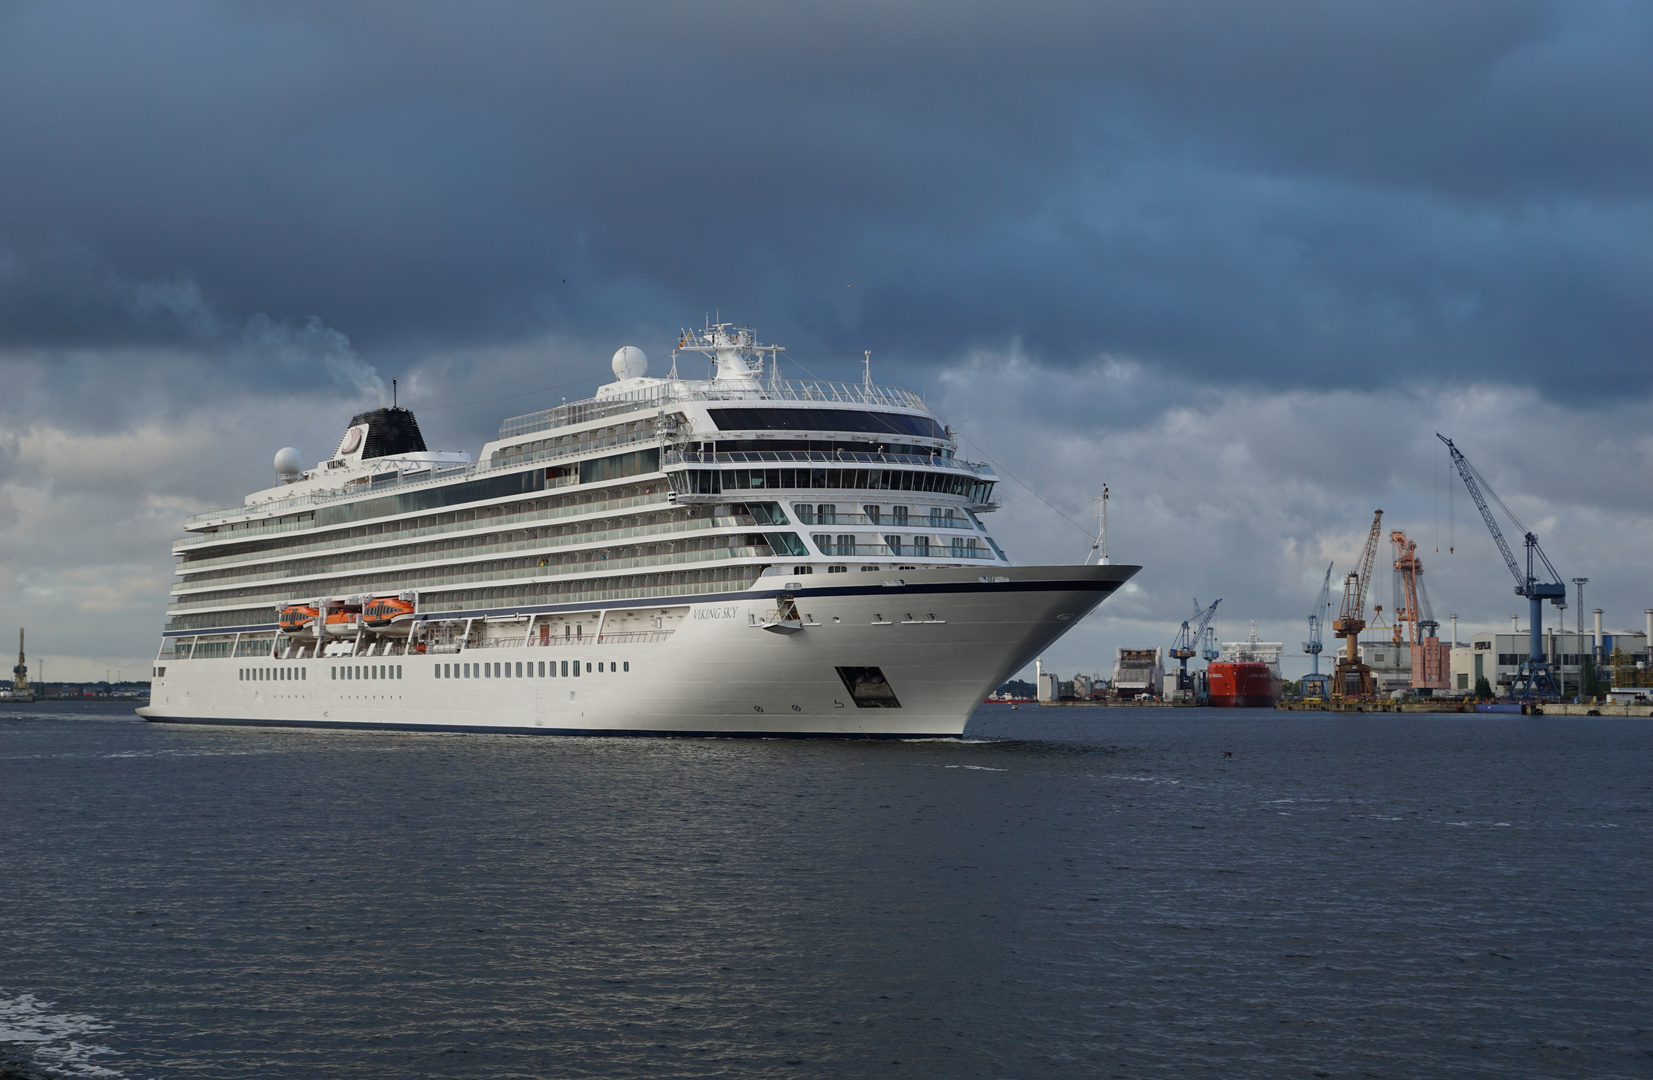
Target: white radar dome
630 363
289 462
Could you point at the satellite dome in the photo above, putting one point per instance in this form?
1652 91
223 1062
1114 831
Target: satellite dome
630 363
289 462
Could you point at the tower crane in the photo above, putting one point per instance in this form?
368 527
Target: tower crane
1317 622
1534 679
1353 678
1186 646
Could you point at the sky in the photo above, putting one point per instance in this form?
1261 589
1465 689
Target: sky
1240 262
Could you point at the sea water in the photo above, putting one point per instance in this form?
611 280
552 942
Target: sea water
1074 892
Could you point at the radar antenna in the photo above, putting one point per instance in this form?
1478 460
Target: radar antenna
740 359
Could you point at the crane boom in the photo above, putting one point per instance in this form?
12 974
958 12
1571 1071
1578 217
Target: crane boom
1367 557
1317 619
1472 482
1534 678
1205 619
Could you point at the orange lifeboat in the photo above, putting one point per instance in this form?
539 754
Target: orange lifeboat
297 618
388 615
343 622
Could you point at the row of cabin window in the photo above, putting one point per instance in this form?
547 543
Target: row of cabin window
899 516
367 671
960 547
268 674
504 670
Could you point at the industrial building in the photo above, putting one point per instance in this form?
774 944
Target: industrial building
1048 683
1497 657
1391 664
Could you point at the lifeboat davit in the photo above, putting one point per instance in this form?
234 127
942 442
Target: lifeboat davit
343 622
298 619
388 615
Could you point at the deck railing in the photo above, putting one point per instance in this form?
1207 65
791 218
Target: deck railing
819 457
673 391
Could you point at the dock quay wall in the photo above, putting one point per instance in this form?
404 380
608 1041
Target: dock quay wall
1541 709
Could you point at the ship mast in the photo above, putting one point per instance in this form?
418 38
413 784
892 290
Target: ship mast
1100 547
740 359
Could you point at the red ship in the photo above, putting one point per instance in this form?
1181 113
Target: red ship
1248 674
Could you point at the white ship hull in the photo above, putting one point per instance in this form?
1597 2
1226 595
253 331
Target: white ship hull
942 639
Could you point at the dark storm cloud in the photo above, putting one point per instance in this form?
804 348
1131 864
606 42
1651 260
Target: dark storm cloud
1302 192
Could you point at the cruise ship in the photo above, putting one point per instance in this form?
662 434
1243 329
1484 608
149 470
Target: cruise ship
739 555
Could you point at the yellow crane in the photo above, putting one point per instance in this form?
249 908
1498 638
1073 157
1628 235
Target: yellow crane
1352 678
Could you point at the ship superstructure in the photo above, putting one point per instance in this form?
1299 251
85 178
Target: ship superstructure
734 555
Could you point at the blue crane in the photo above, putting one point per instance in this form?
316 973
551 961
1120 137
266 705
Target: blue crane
1317 622
1186 646
1534 678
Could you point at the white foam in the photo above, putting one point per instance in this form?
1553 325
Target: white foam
51 1036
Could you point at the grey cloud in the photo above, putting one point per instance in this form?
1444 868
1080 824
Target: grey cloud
1336 192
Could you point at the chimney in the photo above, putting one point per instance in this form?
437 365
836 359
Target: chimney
1595 645
1455 628
1515 624
1649 642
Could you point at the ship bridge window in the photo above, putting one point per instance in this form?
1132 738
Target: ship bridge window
825 420
825 446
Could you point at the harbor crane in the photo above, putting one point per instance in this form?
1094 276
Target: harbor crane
1317 623
1353 679
1534 679
1413 619
1187 644
20 674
